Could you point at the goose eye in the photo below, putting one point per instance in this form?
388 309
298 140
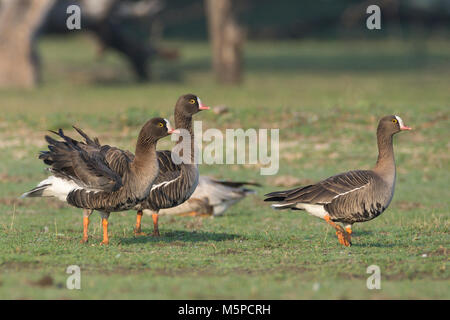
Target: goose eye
394 120
160 125
192 101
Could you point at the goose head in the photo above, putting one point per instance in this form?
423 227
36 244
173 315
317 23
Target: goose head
155 129
390 125
189 104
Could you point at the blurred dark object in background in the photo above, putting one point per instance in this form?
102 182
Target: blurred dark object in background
326 19
124 26
133 28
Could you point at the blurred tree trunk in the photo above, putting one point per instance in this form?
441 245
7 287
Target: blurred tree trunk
19 21
227 39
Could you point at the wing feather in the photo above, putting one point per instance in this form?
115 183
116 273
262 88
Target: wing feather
88 164
329 189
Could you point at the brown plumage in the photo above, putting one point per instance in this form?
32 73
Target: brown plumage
177 177
92 176
350 197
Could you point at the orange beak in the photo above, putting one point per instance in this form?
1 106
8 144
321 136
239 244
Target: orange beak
201 106
170 131
405 128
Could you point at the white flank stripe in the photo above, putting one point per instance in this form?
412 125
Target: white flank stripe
344 193
163 183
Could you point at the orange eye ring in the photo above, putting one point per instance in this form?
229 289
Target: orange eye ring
192 101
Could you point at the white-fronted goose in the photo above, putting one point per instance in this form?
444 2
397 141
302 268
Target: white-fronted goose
211 197
175 183
99 177
354 196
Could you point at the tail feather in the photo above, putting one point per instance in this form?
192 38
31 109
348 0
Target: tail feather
237 184
280 196
53 186
275 199
249 191
277 195
35 192
280 206
283 193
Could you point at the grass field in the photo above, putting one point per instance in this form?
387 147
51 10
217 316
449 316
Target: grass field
326 98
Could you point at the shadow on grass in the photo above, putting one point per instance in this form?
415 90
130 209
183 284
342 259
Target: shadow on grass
181 236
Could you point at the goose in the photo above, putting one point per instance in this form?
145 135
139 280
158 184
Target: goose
92 176
211 197
176 180
353 196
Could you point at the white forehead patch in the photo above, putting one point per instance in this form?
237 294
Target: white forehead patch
400 121
199 101
169 127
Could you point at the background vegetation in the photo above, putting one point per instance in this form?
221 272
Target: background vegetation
325 96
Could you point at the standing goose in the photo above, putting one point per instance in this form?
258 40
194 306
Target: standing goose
175 182
99 177
211 197
354 196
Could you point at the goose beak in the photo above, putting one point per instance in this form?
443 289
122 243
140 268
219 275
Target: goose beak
170 131
402 126
201 106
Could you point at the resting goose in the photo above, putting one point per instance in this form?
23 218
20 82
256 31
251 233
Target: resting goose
175 182
211 197
354 196
99 177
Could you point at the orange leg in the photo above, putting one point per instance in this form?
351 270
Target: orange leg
344 238
155 225
348 229
105 231
189 214
85 229
86 214
137 229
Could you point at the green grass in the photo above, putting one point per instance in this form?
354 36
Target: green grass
326 98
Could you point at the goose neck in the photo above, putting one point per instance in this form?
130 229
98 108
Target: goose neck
385 165
185 123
